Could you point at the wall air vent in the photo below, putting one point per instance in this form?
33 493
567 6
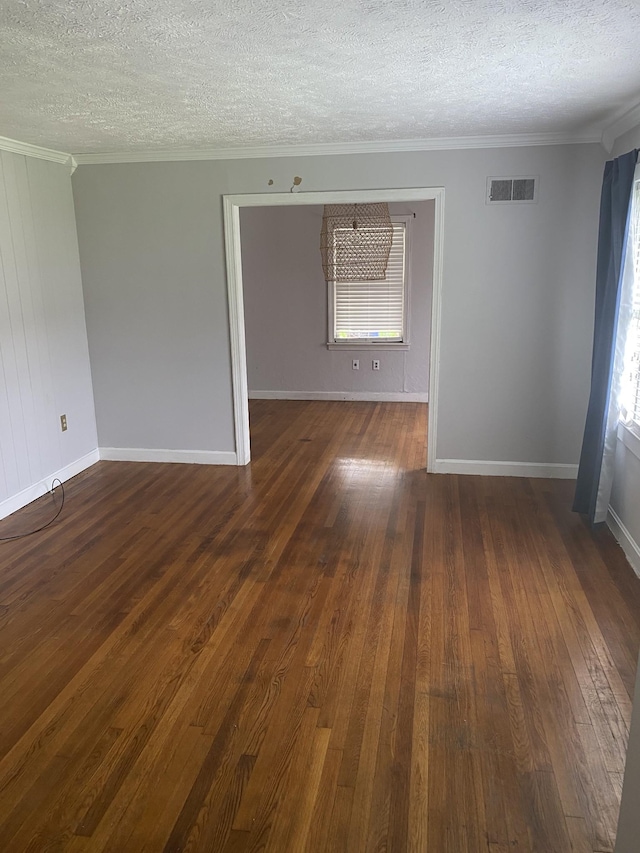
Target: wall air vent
512 190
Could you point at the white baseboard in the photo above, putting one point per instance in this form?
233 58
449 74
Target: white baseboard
553 470
143 454
625 539
360 396
37 490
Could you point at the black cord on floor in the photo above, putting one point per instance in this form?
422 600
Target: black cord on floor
44 526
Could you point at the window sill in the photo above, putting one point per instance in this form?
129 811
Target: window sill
350 345
629 435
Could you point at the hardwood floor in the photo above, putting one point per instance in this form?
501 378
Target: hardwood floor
327 651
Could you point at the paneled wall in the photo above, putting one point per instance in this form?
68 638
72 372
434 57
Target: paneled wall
44 358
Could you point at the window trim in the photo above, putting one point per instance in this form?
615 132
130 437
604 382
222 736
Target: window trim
629 435
628 430
369 344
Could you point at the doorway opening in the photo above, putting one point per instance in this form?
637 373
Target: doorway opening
232 208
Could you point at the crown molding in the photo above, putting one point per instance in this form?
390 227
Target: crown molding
620 125
319 149
28 150
449 143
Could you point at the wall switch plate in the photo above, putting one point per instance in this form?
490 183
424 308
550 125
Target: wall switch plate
375 364
63 423
355 364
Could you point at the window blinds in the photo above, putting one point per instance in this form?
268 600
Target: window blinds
372 310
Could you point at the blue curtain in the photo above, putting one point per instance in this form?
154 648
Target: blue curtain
614 225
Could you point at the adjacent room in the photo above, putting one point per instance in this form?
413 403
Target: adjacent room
293 558
303 334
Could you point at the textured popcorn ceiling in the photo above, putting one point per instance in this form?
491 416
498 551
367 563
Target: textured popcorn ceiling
101 75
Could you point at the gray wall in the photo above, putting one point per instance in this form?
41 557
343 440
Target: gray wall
516 313
151 250
44 360
285 299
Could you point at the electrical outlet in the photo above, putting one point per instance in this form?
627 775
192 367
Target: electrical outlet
355 364
63 423
375 364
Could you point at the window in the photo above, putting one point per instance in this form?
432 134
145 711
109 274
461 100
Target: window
631 378
371 313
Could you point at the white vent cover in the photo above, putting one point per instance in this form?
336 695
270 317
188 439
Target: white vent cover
512 190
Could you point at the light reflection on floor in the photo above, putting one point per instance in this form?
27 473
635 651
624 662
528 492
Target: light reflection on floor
367 472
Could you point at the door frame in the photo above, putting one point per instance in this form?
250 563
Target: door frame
232 204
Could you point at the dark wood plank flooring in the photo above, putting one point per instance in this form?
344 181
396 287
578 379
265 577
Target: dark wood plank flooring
329 650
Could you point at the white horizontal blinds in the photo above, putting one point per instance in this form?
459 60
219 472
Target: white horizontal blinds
374 310
634 331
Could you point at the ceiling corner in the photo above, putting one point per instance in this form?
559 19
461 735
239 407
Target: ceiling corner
624 122
26 149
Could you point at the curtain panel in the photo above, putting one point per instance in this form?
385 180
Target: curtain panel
595 473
